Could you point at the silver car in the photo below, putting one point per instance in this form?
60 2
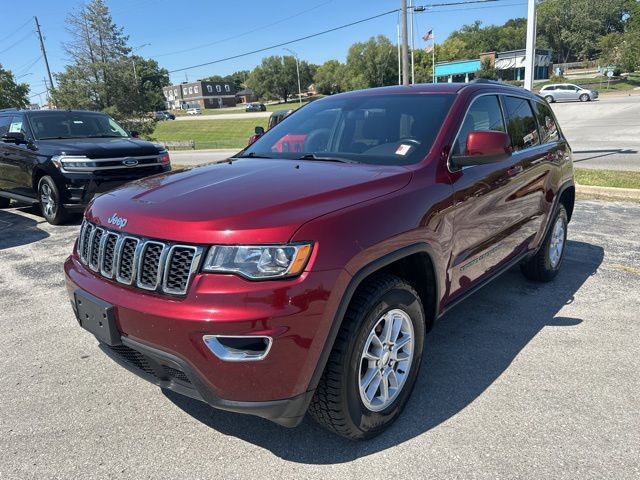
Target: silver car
565 92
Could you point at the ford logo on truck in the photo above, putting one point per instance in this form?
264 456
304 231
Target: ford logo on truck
130 162
119 222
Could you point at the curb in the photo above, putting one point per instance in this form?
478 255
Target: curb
608 193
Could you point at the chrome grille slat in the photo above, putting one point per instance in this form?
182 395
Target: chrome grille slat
140 262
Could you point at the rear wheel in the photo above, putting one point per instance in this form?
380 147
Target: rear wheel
549 99
545 264
50 201
375 360
584 97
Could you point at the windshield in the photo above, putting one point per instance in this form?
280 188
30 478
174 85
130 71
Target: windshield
54 125
396 129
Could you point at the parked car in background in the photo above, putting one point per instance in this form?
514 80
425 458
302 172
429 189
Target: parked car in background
281 281
567 92
194 111
256 107
60 159
164 115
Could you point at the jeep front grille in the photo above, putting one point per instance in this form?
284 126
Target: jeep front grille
141 262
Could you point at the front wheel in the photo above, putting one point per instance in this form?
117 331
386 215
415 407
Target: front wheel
549 99
545 264
375 360
584 97
50 201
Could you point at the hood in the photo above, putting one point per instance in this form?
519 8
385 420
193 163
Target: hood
244 201
98 147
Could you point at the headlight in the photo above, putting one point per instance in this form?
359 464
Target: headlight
73 163
258 261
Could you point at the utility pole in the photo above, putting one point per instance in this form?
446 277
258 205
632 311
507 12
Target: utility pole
413 77
530 58
44 53
295 55
399 56
405 42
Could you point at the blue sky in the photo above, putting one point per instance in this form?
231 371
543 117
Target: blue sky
181 34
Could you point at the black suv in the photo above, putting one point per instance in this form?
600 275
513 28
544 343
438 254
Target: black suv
62 158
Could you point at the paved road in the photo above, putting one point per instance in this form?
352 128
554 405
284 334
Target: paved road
520 381
604 134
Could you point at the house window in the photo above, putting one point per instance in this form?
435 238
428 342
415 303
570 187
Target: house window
195 89
175 92
218 88
190 90
184 91
209 88
226 87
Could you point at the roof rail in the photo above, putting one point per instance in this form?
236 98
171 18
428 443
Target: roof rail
13 109
486 80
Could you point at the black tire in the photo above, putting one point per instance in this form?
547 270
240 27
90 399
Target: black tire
584 97
540 267
50 201
337 404
4 202
549 99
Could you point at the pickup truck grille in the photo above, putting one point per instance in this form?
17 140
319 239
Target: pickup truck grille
140 262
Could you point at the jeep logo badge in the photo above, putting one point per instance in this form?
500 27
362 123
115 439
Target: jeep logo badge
130 162
119 222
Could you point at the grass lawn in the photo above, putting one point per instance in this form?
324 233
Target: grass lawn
210 133
607 178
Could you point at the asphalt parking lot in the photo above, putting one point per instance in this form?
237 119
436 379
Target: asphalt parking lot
520 381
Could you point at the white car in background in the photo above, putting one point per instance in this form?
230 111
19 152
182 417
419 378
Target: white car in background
194 111
566 92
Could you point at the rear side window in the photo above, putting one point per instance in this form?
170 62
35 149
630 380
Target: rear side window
5 122
484 114
546 123
521 123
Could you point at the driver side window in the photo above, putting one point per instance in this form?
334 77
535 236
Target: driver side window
484 114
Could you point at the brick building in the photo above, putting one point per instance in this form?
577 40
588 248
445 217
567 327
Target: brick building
202 94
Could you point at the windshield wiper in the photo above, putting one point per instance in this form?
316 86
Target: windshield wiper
55 138
104 136
312 156
252 155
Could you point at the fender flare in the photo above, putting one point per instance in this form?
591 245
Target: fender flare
353 285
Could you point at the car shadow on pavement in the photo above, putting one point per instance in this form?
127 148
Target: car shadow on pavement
602 153
16 230
467 350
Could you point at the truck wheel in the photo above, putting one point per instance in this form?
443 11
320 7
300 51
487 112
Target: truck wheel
4 202
50 201
545 264
375 360
549 99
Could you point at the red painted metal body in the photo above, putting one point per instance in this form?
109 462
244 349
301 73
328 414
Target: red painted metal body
474 220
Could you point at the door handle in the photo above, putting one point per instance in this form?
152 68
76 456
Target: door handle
515 170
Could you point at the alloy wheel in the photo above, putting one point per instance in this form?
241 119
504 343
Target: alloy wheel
47 200
556 245
386 360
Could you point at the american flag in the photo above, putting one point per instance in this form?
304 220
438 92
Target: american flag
428 36
429 49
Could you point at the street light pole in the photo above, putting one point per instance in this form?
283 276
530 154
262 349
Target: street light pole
405 41
530 57
295 55
133 62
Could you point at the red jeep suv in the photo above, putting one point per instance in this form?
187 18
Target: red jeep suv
303 273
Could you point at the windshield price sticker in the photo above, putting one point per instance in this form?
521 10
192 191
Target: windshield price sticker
403 149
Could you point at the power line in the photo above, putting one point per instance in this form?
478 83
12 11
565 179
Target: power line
244 33
282 44
22 39
15 31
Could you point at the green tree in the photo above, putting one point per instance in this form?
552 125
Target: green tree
103 75
487 70
573 28
277 77
330 77
372 63
12 94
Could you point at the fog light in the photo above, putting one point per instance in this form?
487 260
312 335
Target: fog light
232 348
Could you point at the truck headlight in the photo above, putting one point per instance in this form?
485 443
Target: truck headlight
258 262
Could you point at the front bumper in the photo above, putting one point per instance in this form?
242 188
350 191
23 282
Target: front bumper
162 342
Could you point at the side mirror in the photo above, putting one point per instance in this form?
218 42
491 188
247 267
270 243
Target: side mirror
259 130
134 134
14 137
484 147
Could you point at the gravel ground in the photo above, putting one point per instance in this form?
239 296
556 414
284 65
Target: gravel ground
521 380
